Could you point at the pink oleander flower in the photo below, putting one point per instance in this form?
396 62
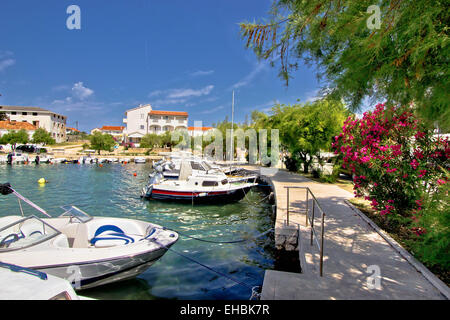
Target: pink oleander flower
414 164
441 182
422 173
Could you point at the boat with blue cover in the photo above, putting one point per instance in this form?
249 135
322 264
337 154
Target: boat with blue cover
87 251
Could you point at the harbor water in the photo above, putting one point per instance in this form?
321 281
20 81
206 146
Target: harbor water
114 190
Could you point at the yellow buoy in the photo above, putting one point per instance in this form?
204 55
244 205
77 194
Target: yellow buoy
42 181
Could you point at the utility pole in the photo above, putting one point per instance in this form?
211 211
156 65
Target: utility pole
232 129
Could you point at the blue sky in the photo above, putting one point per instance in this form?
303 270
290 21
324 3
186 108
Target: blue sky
175 55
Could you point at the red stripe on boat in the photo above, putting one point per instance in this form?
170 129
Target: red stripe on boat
178 193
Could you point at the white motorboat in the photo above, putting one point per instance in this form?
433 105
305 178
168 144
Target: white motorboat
42 159
58 160
87 251
140 160
171 170
86 160
195 186
125 160
19 283
16 158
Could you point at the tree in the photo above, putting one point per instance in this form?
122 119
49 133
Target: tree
3 116
42 136
100 141
150 140
14 137
403 61
305 129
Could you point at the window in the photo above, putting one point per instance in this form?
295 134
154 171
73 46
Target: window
142 127
210 184
166 118
14 113
196 166
224 181
24 113
35 114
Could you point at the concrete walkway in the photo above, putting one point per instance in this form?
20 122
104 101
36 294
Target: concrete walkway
354 251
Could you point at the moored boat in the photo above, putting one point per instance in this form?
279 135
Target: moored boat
195 186
87 251
19 283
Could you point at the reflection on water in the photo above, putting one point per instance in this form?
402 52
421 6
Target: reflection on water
113 190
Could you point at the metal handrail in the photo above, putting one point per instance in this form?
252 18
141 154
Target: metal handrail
310 220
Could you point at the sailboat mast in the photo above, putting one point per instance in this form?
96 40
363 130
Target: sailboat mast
232 129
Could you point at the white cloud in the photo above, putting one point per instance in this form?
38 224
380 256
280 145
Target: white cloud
155 93
166 102
6 59
213 110
202 73
249 78
6 63
81 92
186 93
178 96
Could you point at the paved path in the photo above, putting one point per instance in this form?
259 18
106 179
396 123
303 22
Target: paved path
353 252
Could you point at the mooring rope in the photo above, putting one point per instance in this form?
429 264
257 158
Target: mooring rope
220 242
255 294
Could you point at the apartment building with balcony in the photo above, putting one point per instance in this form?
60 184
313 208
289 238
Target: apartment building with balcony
52 122
144 120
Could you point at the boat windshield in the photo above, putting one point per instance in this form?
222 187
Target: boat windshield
75 213
25 233
206 165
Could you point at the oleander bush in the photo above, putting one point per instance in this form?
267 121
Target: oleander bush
401 167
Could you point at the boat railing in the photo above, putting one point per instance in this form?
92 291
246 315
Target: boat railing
311 216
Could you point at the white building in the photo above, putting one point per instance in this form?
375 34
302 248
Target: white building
198 131
7 126
54 123
116 131
144 120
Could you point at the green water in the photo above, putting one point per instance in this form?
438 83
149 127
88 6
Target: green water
113 190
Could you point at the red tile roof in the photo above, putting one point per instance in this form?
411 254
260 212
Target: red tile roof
199 128
168 113
72 129
112 128
16 125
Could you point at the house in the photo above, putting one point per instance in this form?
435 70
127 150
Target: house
144 120
72 131
198 131
116 131
52 122
6 126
